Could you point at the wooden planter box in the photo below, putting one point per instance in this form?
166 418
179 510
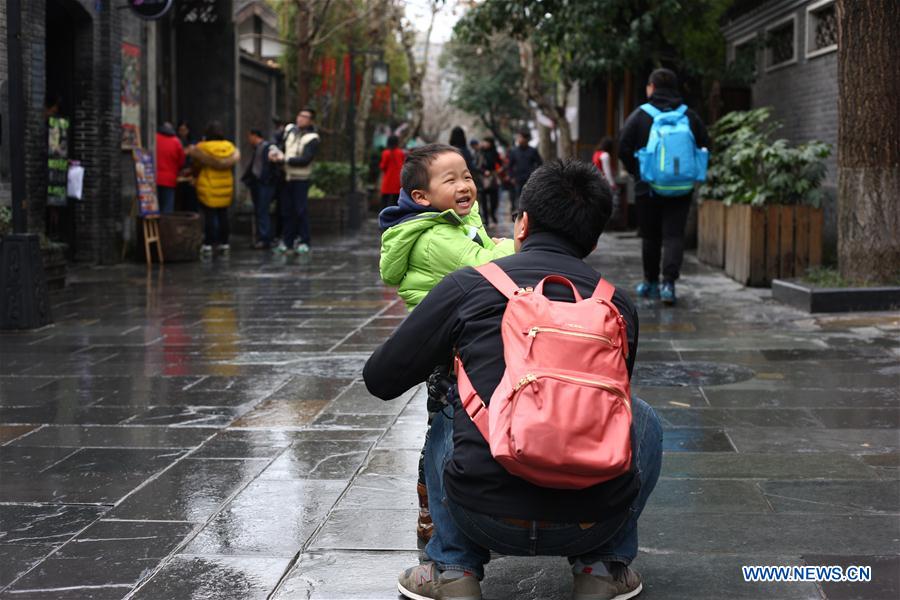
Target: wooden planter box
765 243
711 233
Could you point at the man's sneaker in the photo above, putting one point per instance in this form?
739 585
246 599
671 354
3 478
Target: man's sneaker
205 250
426 582
302 248
667 293
623 583
424 525
648 289
224 249
281 249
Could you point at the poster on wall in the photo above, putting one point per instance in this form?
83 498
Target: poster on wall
145 178
57 160
131 96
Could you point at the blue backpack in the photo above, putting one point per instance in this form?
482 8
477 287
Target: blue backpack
671 161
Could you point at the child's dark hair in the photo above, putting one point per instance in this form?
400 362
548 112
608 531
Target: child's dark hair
605 144
393 141
569 198
414 175
214 131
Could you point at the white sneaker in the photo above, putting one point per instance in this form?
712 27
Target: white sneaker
280 249
302 248
206 249
225 249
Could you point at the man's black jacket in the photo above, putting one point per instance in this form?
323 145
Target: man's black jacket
463 313
523 160
269 174
636 132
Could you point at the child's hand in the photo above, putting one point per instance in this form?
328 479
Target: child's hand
498 240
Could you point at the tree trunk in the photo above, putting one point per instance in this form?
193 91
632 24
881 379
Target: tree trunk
546 148
554 108
868 140
416 72
304 53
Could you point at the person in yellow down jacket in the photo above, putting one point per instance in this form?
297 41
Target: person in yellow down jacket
214 160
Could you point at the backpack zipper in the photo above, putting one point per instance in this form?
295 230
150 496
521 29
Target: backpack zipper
531 378
532 333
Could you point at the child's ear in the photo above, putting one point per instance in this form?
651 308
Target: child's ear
419 197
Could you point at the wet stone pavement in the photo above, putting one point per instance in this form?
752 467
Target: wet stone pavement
203 432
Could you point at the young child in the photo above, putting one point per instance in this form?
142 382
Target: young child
434 230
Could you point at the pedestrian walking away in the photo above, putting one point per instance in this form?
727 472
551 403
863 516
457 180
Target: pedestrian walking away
301 143
661 217
213 161
489 166
260 177
478 504
391 164
523 160
169 161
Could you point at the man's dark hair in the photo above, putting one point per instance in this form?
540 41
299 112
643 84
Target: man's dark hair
257 132
214 131
393 141
664 79
605 144
414 175
525 133
569 198
310 110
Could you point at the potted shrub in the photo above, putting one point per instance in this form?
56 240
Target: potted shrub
328 208
769 194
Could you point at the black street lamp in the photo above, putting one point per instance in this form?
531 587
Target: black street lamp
24 303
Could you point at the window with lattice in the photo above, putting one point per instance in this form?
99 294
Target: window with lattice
780 44
821 28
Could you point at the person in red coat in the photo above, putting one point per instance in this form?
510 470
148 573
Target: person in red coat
391 164
169 160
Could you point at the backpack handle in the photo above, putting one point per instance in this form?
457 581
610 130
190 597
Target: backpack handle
539 288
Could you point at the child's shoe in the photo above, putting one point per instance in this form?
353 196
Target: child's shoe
648 289
424 525
667 293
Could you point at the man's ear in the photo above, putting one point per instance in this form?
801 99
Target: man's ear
419 197
521 228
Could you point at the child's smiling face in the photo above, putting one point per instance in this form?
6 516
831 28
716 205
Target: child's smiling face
450 185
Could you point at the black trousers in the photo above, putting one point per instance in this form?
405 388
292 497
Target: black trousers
215 225
661 223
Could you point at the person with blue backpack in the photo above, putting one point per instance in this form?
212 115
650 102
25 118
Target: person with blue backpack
663 144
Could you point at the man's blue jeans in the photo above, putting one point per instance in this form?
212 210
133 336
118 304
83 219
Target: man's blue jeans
166 196
462 538
293 210
262 199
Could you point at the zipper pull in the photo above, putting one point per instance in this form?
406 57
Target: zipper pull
623 330
532 333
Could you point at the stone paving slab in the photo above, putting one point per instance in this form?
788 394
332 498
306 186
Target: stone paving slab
204 433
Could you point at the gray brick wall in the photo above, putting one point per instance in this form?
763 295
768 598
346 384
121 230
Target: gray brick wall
803 95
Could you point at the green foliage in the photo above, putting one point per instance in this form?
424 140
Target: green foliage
747 167
578 40
316 192
830 277
486 79
332 178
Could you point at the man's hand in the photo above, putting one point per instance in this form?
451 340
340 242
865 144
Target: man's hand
497 240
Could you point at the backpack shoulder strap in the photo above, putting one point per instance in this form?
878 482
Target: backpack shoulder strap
681 110
498 278
604 291
650 110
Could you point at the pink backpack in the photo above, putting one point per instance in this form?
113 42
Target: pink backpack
561 415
